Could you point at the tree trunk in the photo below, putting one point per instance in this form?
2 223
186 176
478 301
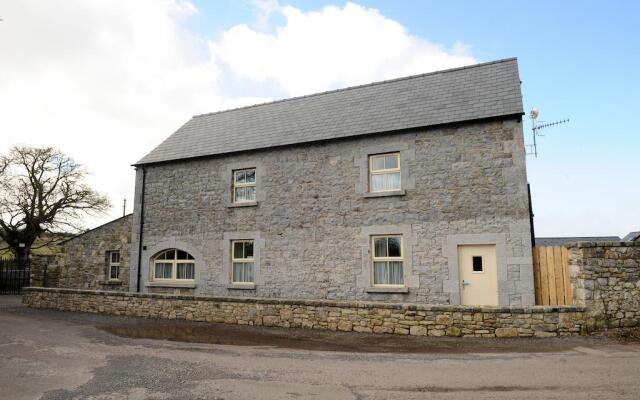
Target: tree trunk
22 256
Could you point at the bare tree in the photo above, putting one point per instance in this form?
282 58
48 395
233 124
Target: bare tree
42 191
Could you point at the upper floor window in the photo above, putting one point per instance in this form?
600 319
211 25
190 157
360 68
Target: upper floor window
174 264
387 260
244 185
113 258
384 172
242 261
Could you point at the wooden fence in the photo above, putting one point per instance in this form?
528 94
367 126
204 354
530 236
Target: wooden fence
551 275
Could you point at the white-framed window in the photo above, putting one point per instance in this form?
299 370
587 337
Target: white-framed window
244 185
113 258
387 260
242 261
384 172
174 265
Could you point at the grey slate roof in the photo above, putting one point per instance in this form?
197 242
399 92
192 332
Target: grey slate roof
475 92
561 241
632 236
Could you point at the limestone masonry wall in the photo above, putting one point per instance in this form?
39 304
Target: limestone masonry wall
372 317
83 262
313 217
606 278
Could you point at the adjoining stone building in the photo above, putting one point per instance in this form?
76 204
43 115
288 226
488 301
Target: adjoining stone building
411 190
98 258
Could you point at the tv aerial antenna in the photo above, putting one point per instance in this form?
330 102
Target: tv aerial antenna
537 126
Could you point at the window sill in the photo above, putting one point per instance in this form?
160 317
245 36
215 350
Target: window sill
241 286
385 194
390 289
112 282
186 285
245 204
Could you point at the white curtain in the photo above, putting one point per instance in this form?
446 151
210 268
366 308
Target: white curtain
385 182
387 273
245 194
242 272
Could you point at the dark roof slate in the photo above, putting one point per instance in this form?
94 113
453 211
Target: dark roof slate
632 236
474 92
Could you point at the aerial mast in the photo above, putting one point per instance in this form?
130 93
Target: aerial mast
535 129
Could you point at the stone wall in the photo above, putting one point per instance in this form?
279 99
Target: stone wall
371 317
83 261
461 185
44 271
606 278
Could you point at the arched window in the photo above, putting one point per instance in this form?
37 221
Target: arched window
173 265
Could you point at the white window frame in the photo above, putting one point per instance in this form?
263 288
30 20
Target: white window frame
375 259
384 171
174 267
236 184
114 264
235 260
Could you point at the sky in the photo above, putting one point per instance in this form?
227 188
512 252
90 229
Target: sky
106 81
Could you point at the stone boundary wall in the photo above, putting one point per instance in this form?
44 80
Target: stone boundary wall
371 317
606 278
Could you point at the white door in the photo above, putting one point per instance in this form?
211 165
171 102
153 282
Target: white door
478 275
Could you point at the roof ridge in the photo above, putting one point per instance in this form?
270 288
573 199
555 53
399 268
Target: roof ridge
360 86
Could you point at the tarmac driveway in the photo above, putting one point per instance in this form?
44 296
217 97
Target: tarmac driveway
57 355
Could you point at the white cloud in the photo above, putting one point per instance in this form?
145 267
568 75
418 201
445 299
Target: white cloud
330 48
107 80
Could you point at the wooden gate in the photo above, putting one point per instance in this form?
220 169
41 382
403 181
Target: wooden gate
551 275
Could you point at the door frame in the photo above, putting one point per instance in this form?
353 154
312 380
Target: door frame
452 285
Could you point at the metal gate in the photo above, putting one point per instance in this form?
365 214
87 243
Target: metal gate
13 277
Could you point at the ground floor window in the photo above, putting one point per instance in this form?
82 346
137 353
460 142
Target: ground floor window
113 258
243 263
387 260
173 264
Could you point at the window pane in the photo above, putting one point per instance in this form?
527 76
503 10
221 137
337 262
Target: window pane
182 255
114 272
380 247
377 183
391 181
250 176
395 273
238 252
240 177
387 273
380 273
477 264
250 193
115 257
240 194
394 247
163 270
243 272
248 249
185 271
377 162
391 161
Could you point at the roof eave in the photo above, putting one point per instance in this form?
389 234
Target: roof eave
142 163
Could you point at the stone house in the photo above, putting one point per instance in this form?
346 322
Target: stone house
98 258
409 190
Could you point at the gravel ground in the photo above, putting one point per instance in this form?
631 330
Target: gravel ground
57 355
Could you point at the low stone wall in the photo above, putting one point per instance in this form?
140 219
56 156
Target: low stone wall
606 278
372 317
